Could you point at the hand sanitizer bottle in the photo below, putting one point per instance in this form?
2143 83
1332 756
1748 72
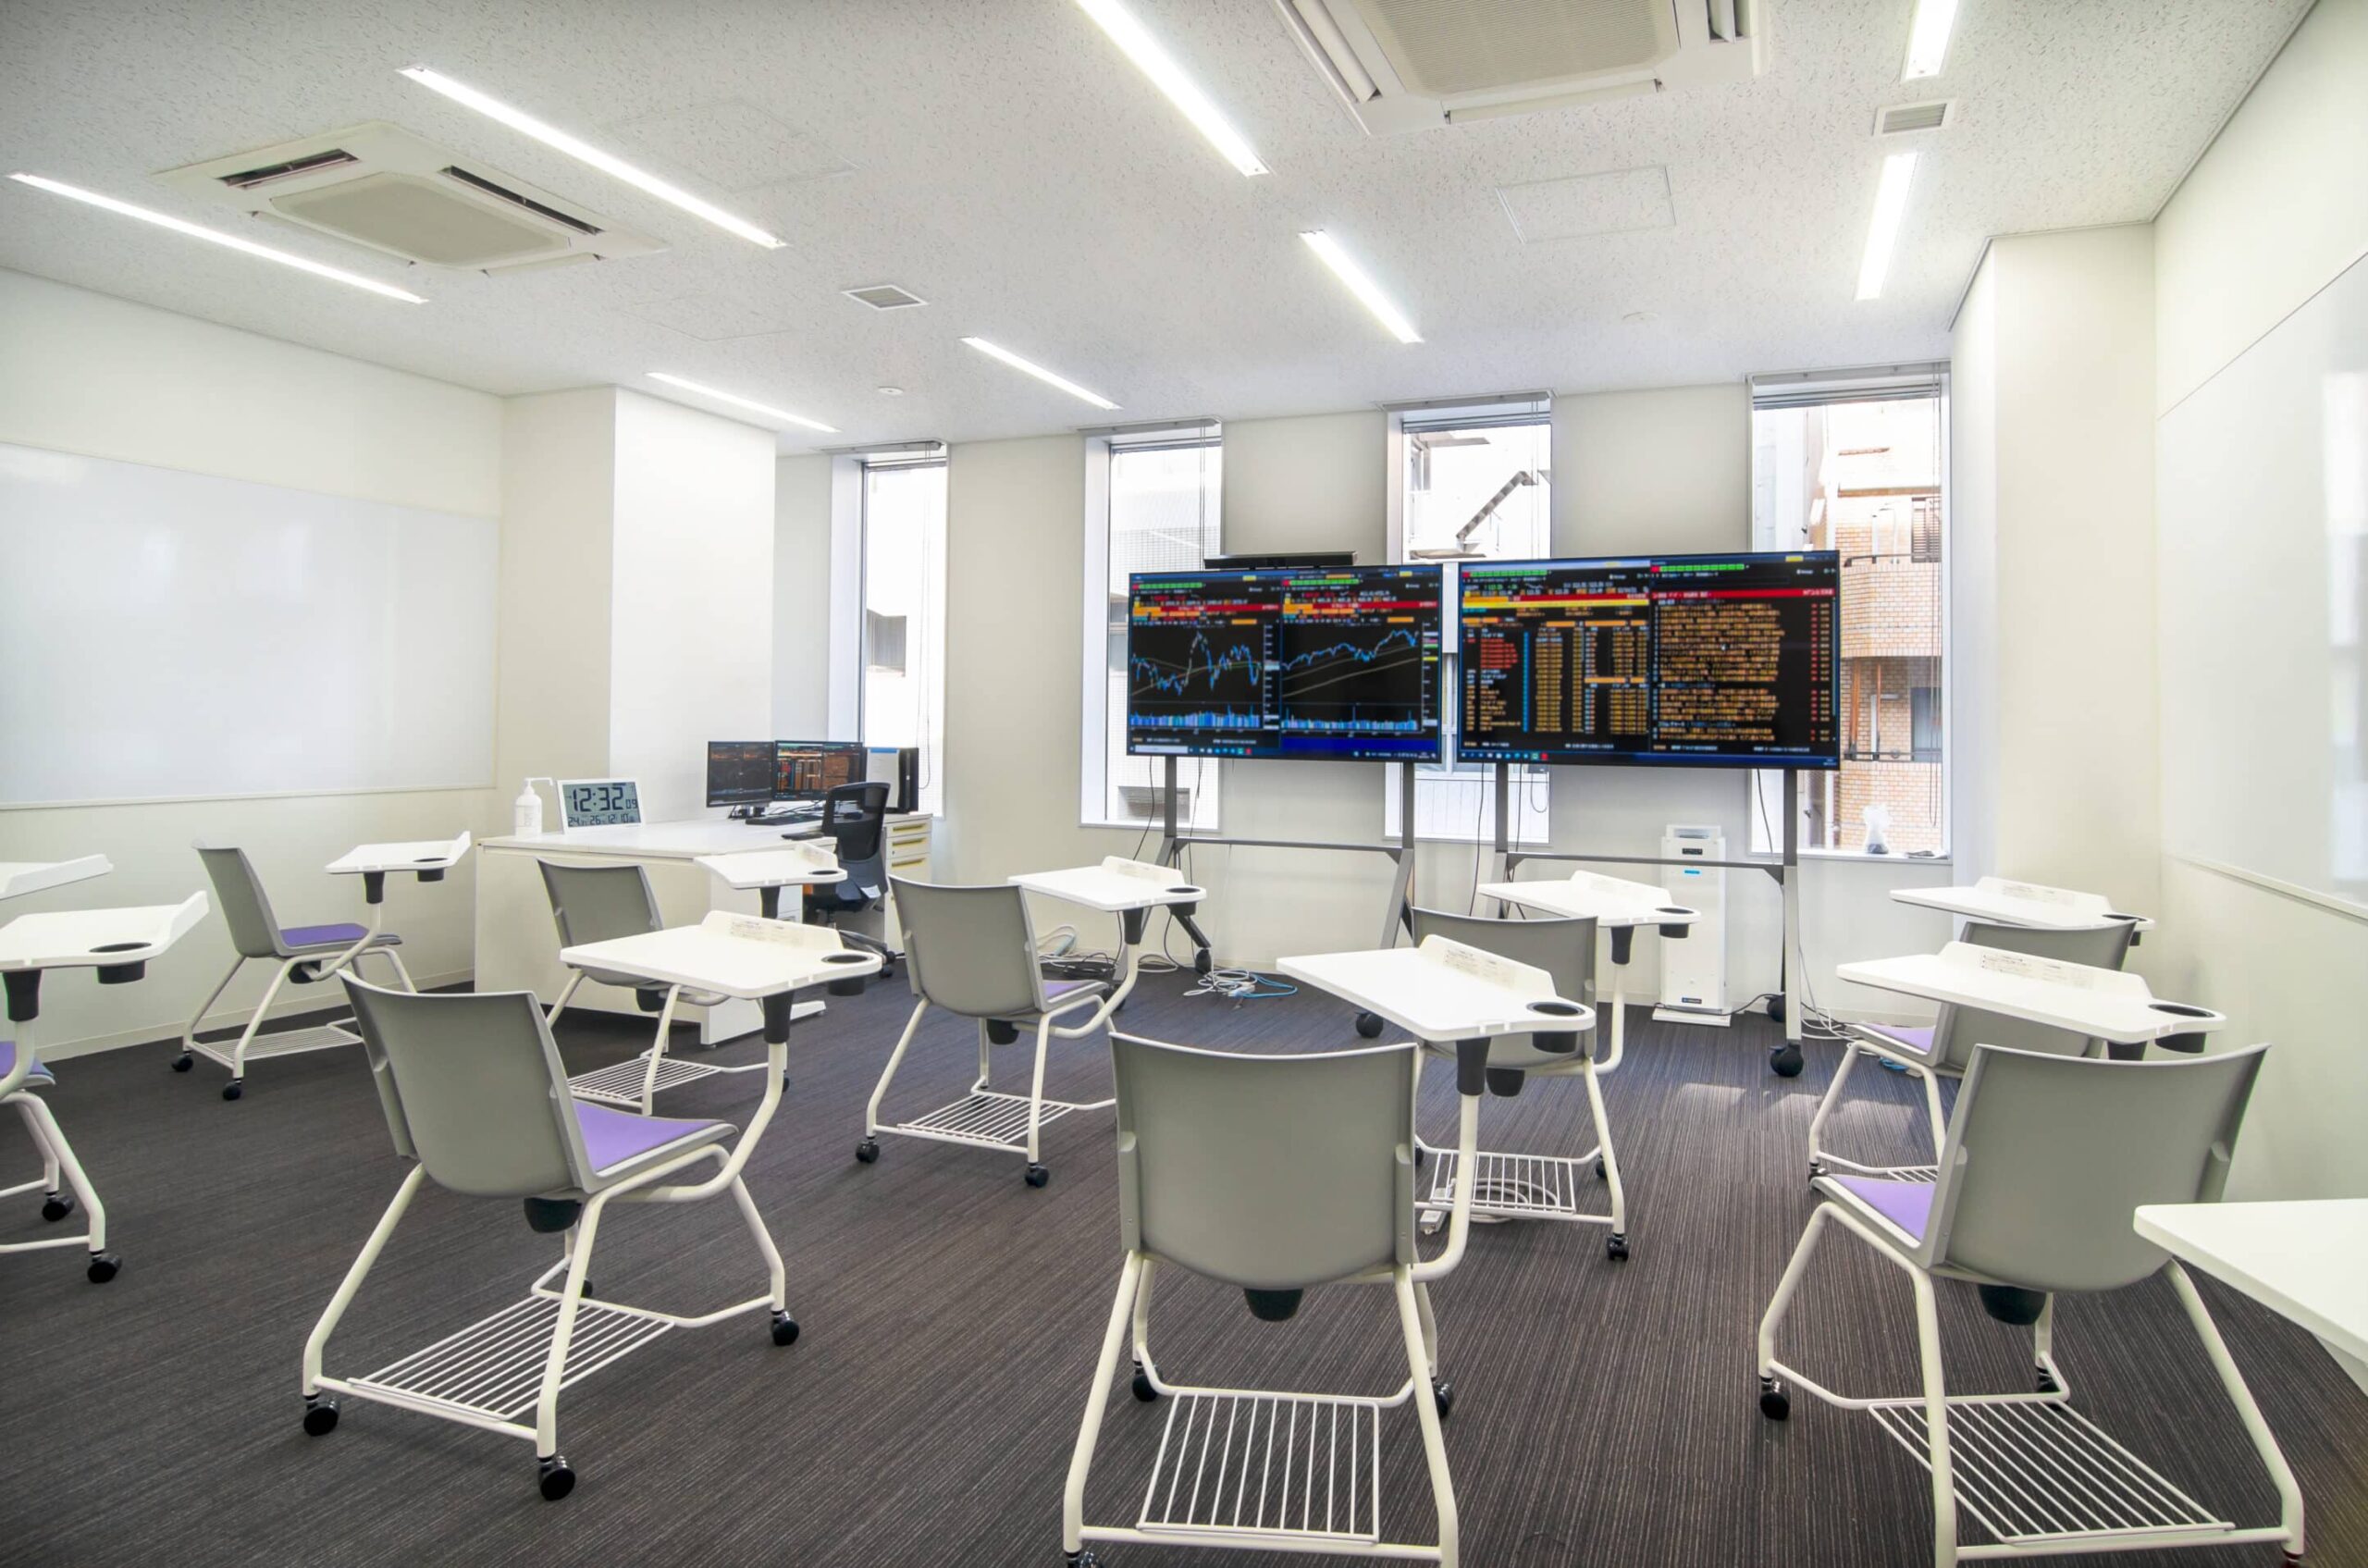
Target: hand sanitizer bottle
527 812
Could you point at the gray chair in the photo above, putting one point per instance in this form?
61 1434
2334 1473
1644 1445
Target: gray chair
1943 1048
21 1072
473 1093
2043 1166
599 904
972 952
1517 1186
1274 1175
304 954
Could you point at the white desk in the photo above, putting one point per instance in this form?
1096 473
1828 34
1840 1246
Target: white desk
2004 902
1129 889
2108 1004
117 943
21 877
767 871
517 944
2307 1261
738 955
1615 905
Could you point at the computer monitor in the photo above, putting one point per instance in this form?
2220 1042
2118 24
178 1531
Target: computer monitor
739 772
1325 662
808 770
1680 660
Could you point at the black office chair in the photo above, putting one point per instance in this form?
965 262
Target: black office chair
855 819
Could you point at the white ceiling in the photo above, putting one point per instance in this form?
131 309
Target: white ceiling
1001 159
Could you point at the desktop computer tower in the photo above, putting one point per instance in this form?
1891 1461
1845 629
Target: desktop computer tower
900 769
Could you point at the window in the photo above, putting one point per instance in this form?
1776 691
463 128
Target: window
1152 505
1471 483
904 614
1859 465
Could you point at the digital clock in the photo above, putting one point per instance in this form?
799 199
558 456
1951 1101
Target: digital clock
598 803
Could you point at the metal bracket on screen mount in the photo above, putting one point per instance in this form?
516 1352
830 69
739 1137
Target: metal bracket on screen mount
1786 1058
1173 840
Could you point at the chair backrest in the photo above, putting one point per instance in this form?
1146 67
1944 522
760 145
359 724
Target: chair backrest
246 909
1563 947
473 1088
2047 1155
970 950
599 902
1271 1173
1958 1029
854 817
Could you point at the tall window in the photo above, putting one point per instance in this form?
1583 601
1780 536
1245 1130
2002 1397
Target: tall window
904 614
1472 483
1860 465
1154 508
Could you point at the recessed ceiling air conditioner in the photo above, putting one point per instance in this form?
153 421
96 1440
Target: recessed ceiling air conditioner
379 186
1404 65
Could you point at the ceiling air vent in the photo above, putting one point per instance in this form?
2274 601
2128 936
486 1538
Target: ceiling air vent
884 296
1404 65
1898 119
380 187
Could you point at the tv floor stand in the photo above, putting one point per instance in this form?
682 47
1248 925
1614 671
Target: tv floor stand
1785 1008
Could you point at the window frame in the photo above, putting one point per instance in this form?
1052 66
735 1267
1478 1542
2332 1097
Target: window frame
1929 536
1531 786
931 788
1206 775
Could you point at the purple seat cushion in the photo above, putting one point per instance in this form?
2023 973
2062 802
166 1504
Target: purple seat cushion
1920 1036
610 1137
1062 987
36 1073
323 936
1908 1204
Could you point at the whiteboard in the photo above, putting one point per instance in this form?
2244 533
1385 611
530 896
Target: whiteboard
166 634
2262 490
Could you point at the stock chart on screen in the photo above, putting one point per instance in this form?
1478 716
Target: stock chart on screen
1694 661
1339 662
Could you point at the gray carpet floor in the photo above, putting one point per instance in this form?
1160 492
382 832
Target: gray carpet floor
1605 1412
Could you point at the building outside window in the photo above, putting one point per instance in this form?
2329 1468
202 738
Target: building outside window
1860 465
904 614
1471 482
1159 497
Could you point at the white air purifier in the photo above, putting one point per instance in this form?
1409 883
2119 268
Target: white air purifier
1694 972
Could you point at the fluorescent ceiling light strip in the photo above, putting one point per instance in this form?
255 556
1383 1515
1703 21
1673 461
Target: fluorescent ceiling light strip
214 236
996 350
1882 230
1927 38
737 402
1169 77
1345 268
583 152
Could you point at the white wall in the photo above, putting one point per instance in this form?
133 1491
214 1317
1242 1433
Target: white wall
83 373
2270 215
1973 577
558 464
801 599
691 623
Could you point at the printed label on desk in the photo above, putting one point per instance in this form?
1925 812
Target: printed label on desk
2027 966
1142 870
1491 967
2031 891
781 933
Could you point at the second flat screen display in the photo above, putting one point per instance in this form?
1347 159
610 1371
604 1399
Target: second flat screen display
1337 662
1692 660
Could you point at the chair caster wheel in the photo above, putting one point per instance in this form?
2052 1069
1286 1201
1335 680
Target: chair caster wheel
1087 1559
183 1062
1774 1404
1785 1061
1602 1171
1615 1246
784 1329
320 1416
867 1152
233 1088
1202 964
1369 1024
1038 1175
103 1268
56 1206
554 1477
1144 1389
1442 1397
1421 1154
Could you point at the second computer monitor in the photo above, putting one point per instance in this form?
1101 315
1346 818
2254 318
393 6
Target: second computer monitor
808 770
739 772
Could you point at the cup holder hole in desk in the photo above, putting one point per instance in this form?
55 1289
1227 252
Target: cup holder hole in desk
1188 892
1556 1009
1672 909
117 947
844 958
2180 1009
